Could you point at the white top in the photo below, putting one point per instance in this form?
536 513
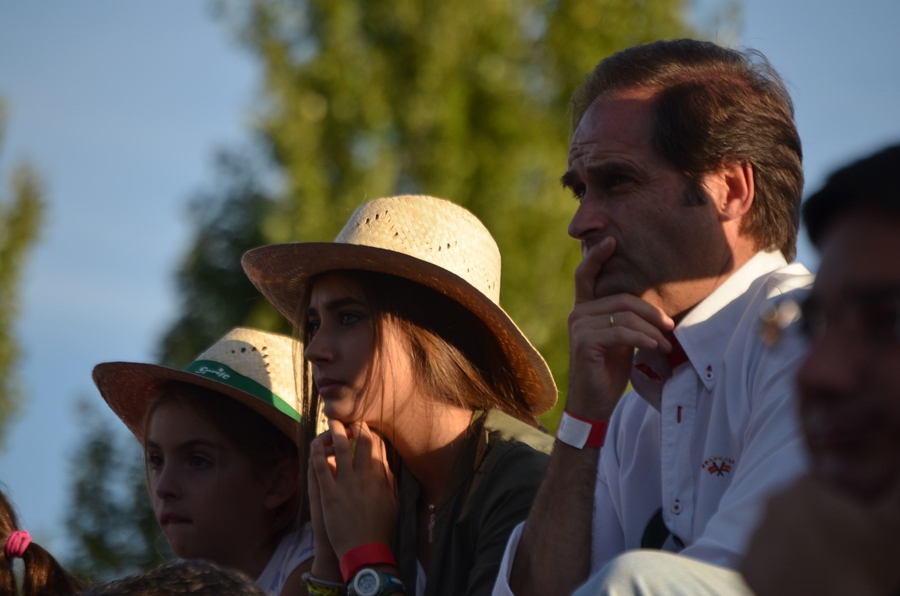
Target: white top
421 578
709 441
294 549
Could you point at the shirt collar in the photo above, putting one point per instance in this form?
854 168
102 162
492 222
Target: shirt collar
704 340
705 330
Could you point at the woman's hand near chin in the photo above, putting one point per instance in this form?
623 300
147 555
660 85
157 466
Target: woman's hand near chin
326 565
358 494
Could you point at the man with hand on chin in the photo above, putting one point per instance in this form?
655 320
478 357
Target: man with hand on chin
686 164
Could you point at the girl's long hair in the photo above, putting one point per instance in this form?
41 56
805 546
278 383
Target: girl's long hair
44 576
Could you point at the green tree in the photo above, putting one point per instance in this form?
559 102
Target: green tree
216 295
20 221
465 100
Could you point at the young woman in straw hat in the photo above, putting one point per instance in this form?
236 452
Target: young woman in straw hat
221 441
404 336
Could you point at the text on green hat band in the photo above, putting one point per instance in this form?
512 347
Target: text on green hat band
223 374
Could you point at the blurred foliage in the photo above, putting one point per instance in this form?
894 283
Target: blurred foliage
111 523
216 295
465 100
21 218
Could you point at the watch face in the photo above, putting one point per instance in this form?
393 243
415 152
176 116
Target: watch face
367 582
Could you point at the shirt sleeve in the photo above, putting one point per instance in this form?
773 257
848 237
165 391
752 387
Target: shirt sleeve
608 536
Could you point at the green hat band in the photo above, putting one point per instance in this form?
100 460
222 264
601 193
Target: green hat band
227 376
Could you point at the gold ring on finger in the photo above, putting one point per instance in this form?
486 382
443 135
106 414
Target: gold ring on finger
612 320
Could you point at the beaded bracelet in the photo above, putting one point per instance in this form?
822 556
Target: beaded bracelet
321 587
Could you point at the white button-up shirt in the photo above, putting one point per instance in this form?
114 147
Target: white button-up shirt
708 441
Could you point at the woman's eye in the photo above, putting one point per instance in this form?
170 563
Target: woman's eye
154 461
311 327
348 318
200 462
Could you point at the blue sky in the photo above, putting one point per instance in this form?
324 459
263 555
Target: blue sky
121 107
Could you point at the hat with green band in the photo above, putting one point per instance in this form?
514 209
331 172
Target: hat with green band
253 367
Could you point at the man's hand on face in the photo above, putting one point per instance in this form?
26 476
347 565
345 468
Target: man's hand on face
603 334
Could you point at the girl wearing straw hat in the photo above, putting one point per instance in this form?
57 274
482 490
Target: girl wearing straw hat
221 440
403 335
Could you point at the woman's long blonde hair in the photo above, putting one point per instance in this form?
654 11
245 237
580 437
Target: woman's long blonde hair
455 358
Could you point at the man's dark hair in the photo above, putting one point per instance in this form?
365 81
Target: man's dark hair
714 105
869 184
183 577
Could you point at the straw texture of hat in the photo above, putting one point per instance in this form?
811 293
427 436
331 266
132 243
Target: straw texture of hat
254 367
424 239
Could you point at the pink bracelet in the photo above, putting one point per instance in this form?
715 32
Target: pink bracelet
365 555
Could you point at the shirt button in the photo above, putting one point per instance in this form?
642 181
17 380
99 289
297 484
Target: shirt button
709 372
676 507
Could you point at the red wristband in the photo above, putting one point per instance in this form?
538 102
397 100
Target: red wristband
365 555
581 432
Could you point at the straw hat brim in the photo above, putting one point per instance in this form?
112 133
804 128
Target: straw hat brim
282 272
129 387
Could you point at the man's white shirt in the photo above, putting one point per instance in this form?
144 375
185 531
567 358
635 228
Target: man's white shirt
707 442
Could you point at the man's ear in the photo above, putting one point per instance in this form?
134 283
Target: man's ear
732 189
284 482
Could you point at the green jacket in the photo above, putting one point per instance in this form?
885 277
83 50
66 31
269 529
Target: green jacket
489 492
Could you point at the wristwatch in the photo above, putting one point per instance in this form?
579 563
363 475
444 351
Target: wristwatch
368 582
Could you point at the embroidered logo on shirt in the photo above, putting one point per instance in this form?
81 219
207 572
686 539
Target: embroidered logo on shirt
718 465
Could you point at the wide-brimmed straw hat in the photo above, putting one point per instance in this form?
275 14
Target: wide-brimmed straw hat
427 240
253 367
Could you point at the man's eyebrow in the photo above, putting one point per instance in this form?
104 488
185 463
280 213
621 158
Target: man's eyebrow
569 179
600 171
611 168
